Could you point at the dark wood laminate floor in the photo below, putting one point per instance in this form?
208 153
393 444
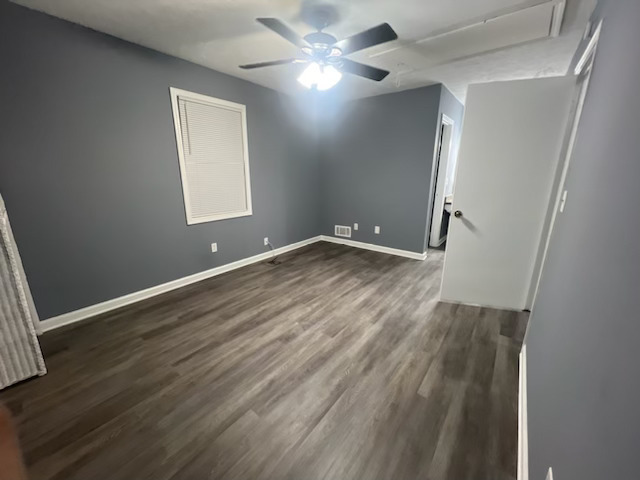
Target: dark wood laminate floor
336 364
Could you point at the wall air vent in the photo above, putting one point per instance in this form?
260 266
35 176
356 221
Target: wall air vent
342 231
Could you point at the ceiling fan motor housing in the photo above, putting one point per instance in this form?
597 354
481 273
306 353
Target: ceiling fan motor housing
321 46
320 38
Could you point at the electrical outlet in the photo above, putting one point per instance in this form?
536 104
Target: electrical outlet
266 241
376 230
214 247
355 226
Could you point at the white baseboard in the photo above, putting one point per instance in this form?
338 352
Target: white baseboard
375 248
523 435
103 307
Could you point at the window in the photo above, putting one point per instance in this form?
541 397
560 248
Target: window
214 160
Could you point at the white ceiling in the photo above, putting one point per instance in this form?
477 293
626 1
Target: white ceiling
222 34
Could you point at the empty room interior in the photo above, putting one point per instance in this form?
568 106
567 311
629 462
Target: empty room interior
312 239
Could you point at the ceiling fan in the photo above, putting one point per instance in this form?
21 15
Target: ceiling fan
326 55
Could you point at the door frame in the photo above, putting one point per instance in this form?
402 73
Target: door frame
583 71
445 121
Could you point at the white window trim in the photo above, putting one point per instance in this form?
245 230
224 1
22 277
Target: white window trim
175 93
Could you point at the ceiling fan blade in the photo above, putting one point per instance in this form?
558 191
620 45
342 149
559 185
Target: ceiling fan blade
367 71
369 38
283 30
286 61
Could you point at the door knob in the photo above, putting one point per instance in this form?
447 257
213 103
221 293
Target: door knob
457 214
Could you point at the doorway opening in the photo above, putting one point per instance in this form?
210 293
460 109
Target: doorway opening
444 168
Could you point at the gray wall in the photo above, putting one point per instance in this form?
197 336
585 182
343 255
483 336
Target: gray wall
582 347
377 155
89 170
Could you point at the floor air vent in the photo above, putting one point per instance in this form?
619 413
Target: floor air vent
342 231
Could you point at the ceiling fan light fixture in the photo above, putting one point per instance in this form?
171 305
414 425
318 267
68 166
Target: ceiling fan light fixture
327 54
322 77
329 78
310 75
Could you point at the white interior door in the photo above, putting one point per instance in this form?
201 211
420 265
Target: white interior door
442 166
509 154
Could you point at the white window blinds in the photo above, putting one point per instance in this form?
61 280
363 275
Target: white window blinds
213 153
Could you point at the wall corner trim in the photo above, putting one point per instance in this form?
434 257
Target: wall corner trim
374 247
523 435
108 305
